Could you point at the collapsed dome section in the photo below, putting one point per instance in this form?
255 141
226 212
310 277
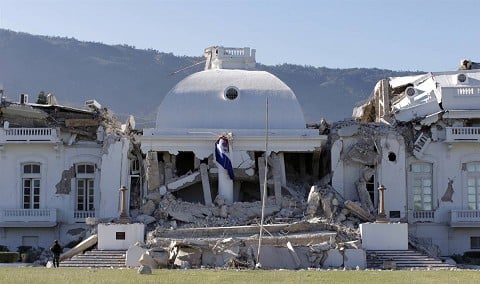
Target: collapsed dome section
230 99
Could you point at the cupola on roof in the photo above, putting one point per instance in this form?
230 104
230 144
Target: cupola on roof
226 96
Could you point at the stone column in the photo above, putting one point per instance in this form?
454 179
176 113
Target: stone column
123 205
382 217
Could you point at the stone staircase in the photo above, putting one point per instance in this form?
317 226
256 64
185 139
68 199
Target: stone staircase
97 259
403 259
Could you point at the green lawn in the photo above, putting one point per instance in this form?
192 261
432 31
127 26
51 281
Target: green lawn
38 275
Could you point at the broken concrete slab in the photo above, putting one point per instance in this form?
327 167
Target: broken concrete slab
148 208
358 210
82 246
334 259
153 178
294 254
207 195
211 259
133 255
364 195
353 258
183 181
145 219
272 257
181 216
188 257
160 257
313 201
147 260
144 269
155 197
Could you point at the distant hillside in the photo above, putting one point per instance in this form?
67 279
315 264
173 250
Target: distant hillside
133 81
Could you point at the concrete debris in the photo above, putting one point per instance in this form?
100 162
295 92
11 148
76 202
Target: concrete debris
148 208
363 151
357 209
155 197
153 172
187 257
363 194
144 269
134 254
147 260
354 258
299 231
467 64
145 219
161 257
294 254
313 202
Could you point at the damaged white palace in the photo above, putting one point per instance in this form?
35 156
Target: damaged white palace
195 183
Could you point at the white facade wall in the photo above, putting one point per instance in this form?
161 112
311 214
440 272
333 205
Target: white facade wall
39 237
390 174
114 174
447 160
384 236
108 236
53 159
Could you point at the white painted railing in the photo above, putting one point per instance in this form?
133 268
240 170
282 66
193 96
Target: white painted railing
28 215
423 216
462 134
465 216
234 51
80 216
28 135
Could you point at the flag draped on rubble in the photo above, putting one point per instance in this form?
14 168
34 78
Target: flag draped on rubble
222 155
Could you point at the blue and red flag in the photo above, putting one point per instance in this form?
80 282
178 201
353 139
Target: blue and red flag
222 155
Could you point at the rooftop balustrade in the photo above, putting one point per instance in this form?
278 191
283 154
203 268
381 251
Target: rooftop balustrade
31 135
462 134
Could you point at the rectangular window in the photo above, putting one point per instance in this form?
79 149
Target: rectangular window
31 178
85 177
422 192
473 185
85 194
85 168
474 242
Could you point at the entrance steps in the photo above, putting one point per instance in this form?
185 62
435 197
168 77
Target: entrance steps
97 259
403 259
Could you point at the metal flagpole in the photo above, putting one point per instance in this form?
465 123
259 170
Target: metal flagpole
264 193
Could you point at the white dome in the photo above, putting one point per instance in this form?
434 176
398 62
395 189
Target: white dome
199 102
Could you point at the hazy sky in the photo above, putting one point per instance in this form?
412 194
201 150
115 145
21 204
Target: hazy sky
399 35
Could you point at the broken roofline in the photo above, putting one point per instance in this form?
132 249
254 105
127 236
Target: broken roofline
401 81
68 108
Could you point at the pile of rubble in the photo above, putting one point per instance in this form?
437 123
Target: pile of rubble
298 232
168 212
